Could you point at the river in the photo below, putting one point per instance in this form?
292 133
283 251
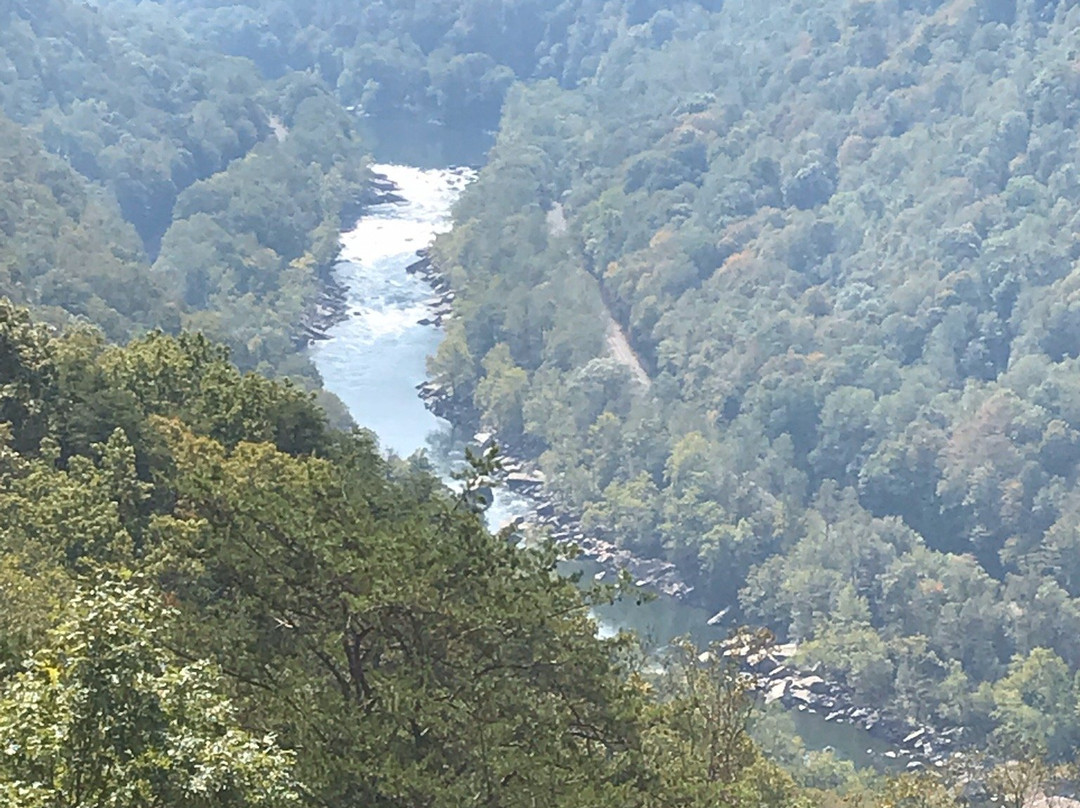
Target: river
374 359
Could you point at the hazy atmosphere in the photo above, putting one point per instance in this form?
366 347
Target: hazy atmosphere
539 404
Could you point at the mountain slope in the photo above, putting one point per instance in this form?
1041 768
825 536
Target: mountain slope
220 601
240 224
841 238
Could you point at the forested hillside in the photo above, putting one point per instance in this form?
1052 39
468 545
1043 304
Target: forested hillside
454 60
841 238
185 146
781 292
211 599
64 246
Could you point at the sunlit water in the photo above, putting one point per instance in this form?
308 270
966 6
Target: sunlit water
375 358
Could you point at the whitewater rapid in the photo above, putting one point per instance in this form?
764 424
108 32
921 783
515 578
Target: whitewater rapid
374 358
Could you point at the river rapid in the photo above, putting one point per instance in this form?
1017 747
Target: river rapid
374 359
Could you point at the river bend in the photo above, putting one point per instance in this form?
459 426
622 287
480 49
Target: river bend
376 356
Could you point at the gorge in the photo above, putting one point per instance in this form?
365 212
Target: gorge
374 360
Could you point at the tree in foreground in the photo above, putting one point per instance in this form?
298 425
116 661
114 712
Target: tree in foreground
103 715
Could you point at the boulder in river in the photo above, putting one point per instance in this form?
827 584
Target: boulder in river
914 737
422 266
813 684
523 479
776 692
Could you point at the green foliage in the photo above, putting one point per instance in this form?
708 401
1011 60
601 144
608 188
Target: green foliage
1036 705
26 375
499 395
833 238
63 245
102 714
215 600
700 734
476 669
784 294
454 59
915 791
143 112
127 128
250 248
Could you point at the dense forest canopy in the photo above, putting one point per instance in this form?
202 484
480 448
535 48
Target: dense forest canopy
455 60
212 599
782 292
113 124
840 238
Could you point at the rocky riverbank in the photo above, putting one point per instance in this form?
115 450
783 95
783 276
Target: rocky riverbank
441 304
805 690
779 679
328 310
331 306
522 476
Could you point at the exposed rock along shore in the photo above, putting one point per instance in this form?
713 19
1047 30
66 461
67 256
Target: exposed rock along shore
329 309
807 691
774 672
522 476
331 306
440 305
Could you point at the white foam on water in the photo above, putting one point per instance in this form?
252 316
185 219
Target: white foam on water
375 322
393 229
384 301
374 359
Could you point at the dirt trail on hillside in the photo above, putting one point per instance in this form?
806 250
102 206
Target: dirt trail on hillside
620 349
618 344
